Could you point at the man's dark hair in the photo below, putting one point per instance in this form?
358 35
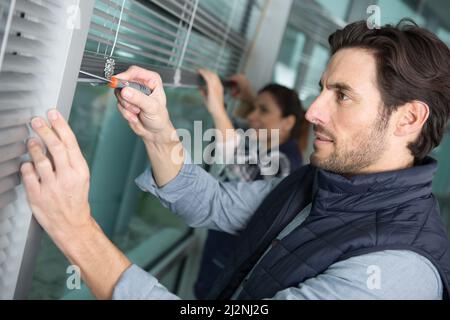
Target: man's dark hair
412 65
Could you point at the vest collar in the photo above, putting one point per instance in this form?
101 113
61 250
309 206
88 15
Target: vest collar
374 191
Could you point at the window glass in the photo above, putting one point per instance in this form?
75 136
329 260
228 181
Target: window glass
441 181
393 11
444 35
317 65
289 58
337 9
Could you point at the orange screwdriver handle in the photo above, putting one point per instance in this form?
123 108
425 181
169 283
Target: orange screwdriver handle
119 84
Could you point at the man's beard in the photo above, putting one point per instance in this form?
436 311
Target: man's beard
370 146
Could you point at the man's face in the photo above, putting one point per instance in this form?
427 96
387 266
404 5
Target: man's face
350 131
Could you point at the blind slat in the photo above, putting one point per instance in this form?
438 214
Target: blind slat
153 33
127 48
16 63
214 24
14 117
5 226
13 134
28 27
35 10
12 151
210 28
11 81
24 45
17 100
8 183
126 40
145 20
4 241
144 33
9 167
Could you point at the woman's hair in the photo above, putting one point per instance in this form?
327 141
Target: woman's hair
289 104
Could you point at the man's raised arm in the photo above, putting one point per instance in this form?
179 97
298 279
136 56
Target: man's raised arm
198 198
149 119
57 186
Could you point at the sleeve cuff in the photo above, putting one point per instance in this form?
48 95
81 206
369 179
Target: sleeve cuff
134 284
171 191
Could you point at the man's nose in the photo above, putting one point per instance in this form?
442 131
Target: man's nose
318 112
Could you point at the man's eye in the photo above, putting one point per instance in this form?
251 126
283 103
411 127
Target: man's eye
342 97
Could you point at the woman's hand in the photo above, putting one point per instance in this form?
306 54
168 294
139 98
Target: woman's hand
243 89
214 93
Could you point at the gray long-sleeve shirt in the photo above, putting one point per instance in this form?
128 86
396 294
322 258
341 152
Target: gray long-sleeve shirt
202 201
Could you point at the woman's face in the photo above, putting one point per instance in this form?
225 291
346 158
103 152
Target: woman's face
267 115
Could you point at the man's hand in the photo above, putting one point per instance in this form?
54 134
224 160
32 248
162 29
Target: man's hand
149 118
147 115
57 191
214 93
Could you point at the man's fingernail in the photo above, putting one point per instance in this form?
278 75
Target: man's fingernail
37 123
53 115
126 93
32 143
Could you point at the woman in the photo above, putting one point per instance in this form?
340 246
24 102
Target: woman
275 108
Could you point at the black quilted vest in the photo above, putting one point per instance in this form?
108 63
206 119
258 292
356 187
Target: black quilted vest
349 217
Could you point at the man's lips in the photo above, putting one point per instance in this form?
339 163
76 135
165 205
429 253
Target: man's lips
322 137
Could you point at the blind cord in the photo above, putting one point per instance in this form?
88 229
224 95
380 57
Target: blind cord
118 28
227 33
110 63
177 76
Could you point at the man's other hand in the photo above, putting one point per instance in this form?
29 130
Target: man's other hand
57 189
57 186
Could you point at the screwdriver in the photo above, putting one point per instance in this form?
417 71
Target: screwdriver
120 84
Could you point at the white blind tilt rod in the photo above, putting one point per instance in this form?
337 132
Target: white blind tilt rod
227 32
177 76
178 35
7 28
118 28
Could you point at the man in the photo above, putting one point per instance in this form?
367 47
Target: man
359 223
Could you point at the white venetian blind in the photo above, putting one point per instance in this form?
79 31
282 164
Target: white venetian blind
34 41
24 29
171 35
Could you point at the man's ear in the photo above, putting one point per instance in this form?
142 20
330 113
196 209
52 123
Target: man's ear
412 116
